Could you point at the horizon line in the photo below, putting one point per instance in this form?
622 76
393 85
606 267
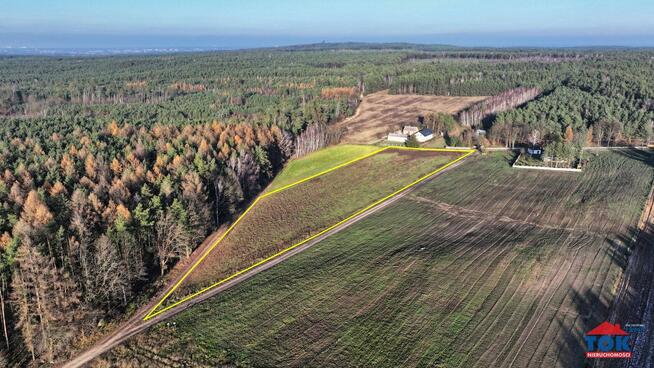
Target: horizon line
157 50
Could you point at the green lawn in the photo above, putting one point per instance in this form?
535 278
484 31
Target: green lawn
486 266
319 161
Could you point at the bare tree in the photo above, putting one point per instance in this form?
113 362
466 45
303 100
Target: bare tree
599 129
47 303
613 130
170 240
3 289
312 139
533 137
109 285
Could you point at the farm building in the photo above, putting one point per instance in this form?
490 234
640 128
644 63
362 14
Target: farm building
424 135
401 136
535 151
397 137
410 130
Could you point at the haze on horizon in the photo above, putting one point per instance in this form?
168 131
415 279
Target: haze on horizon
257 23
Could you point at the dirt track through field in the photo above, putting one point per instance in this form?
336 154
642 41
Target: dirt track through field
136 324
470 213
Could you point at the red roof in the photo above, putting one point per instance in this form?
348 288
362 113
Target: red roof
606 328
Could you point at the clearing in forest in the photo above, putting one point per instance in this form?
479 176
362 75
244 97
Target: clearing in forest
380 113
294 213
483 267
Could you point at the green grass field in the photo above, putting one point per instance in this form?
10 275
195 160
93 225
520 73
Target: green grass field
486 266
319 161
285 218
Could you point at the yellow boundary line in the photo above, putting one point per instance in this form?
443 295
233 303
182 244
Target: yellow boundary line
152 312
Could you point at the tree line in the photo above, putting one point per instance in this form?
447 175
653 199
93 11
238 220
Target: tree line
87 225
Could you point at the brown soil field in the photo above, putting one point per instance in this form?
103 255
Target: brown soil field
292 215
381 113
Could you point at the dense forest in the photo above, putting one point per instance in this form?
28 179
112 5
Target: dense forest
115 168
602 107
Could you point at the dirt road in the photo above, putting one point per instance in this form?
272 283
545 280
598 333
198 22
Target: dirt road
136 324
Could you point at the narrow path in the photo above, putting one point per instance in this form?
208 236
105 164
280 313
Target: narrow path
136 324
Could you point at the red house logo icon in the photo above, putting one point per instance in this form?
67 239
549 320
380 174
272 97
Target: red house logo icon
607 341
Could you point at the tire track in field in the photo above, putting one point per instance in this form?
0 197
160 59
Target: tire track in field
387 258
560 312
499 305
556 300
556 280
548 310
512 198
475 214
499 318
567 303
490 269
502 303
535 295
454 283
578 322
452 241
379 337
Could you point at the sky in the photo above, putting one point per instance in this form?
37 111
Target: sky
258 23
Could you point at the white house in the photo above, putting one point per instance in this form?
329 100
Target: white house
424 135
397 137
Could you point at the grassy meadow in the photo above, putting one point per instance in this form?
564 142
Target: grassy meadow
319 161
